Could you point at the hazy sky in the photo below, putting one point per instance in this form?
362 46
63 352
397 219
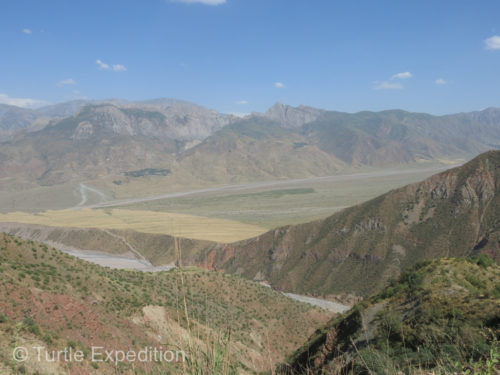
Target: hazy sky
434 56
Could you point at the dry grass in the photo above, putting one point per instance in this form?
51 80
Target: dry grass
187 226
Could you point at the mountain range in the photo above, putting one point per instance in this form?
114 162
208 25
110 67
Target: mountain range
101 141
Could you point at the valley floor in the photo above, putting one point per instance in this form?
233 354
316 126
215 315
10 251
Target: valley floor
264 205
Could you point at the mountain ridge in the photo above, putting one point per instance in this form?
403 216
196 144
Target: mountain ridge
202 147
452 213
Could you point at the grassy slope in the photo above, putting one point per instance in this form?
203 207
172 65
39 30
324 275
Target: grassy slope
442 315
55 300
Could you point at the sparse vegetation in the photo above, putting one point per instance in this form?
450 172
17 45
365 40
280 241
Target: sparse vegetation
148 172
83 304
433 319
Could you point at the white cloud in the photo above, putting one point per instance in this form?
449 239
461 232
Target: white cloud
101 64
115 67
206 2
27 31
22 102
492 43
119 68
239 114
242 102
65 82
440 81
403 75
385 85
279 85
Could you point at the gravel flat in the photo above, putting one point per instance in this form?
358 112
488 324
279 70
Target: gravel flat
124 261
327 305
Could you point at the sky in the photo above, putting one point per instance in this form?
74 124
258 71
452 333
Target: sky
239 56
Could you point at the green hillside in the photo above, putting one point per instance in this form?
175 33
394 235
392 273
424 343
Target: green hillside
50 299
440 317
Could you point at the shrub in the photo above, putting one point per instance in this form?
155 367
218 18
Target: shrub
31 326
482 260
413 279
496 291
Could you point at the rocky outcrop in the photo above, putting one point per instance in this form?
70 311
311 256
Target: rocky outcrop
292 117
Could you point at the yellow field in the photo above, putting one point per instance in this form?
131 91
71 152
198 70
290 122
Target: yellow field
181 225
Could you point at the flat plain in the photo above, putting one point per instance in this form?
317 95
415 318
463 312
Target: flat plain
281 203
224 214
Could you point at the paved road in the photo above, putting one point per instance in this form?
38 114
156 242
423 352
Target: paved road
265 184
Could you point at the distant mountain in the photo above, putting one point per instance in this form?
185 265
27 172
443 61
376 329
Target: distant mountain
398 137
203 147
15 119
65 109
451 214
289 142
291 117
179 122
105 140
256 149
440 317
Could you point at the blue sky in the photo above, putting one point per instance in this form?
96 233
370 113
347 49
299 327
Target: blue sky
245 55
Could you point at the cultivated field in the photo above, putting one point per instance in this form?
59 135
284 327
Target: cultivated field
188 226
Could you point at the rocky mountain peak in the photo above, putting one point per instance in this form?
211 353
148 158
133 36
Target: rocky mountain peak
292 117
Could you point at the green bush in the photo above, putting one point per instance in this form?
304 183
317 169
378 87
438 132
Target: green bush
414 280
31 326
496 291
482 260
